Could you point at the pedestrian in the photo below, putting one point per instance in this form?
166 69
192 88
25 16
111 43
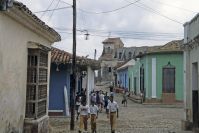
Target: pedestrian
94 116
101 101
98 99
112 113
93 98
106 99
124 101
84 112
77 103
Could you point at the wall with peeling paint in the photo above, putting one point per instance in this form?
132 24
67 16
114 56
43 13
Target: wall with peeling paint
13 72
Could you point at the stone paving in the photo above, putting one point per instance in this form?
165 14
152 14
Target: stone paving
135 118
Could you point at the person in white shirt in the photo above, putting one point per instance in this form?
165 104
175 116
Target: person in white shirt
94 115
113 111
84 112
101 101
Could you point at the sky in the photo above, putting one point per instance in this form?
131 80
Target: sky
137 22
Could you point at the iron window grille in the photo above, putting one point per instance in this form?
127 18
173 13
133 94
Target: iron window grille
37 75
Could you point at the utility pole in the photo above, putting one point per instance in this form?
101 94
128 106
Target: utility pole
73 86
95 54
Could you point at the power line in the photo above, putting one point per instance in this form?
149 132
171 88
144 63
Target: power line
119 31
173 6
61 8
147 8
53 10
91 12
142 37
66 3
47 8
110 11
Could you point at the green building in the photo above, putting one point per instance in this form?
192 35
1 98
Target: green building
158 73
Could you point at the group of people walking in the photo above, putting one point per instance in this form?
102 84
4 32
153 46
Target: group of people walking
99 100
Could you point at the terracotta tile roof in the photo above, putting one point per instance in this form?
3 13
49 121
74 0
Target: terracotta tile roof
169 47
60 56
26 10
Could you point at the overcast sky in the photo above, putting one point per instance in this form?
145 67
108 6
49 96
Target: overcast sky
148 22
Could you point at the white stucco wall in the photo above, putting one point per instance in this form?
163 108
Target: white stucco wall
90 81
191 29
13 72
190 57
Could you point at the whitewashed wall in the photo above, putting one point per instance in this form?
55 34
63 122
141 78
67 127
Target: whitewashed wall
13 72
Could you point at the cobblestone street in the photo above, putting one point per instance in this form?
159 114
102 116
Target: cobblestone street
136 118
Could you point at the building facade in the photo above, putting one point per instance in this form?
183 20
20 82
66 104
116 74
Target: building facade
108 59
25 43
123 78
60 80
158 73
191 72
114 53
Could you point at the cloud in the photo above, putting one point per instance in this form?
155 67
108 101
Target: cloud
132 18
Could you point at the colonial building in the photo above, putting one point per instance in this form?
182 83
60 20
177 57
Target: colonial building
191 72
25 43
108 59
128 53
123 80
114 53
60 81
158 73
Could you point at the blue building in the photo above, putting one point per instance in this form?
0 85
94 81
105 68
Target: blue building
61 70
123 75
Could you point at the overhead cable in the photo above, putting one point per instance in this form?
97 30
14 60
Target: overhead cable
147 8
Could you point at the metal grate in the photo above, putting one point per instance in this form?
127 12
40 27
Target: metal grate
37 75
41 108
30 110
42 91
43 59
31 92
43 75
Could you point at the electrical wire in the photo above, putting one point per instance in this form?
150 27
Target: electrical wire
61 8
53 10
91 12
110 11
47 8
188 10
147 8
154 37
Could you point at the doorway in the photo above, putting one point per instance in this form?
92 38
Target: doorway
129 84
195 95
168 84
135 85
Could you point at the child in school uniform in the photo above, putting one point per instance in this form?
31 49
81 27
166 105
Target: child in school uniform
94 115
84 112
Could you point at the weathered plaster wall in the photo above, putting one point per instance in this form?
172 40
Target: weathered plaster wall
191 29
13 72
194 58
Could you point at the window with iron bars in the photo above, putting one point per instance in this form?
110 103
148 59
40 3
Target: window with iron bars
37 75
